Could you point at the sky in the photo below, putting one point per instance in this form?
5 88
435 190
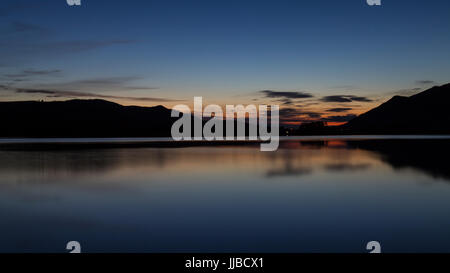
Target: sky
319 60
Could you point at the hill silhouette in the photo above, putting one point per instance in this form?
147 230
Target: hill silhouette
87 118
424 113
82 118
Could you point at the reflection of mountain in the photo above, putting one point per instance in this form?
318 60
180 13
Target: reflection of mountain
426 112
429 156
425 155
82 118
295 158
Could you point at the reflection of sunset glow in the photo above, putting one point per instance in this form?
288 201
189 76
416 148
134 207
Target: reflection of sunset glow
151 163
178 196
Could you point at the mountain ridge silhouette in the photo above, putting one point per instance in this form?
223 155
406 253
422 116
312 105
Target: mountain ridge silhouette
82 118
422 113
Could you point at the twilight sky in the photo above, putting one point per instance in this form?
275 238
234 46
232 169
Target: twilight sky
319 59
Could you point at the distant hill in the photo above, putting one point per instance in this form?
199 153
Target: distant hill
82 118
425 113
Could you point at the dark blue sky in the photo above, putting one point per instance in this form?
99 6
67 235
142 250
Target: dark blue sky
225 51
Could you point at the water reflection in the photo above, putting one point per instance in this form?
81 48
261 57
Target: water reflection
428 156
309 196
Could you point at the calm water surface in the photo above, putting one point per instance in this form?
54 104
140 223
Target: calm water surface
309 196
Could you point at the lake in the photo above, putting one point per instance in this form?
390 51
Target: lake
316 194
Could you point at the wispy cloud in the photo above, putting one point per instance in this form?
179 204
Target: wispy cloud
81 45
25 27
23 41
75 94
286 101
345 98
425 82
17 6
22 50
100 84
338 110
123 83
297 115
4 87
286 94
103 81
32 72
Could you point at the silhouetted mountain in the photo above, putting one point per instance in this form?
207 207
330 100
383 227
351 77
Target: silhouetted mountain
87 118
425 113
82 118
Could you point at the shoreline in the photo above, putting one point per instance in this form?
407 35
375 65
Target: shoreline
30 144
